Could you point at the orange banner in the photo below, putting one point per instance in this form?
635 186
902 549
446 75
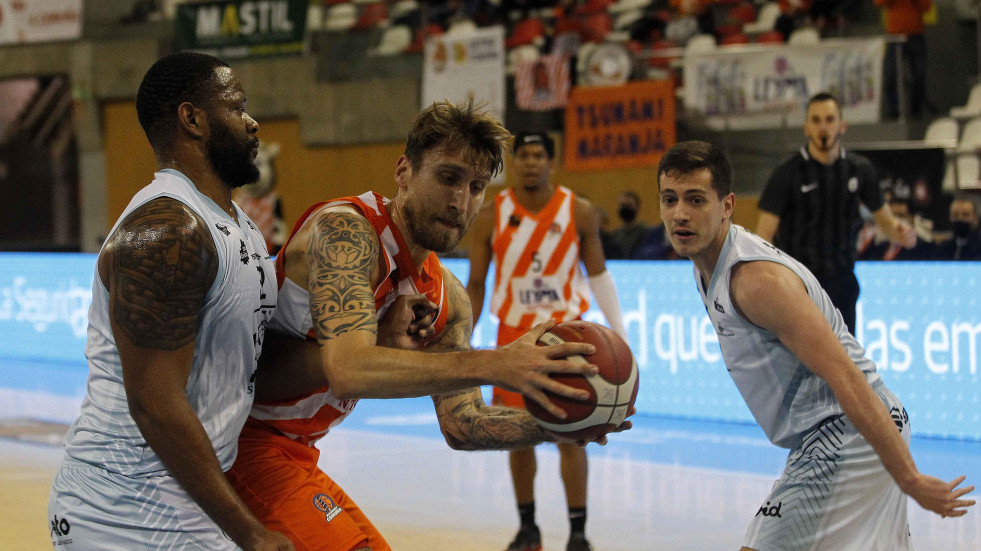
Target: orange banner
620 126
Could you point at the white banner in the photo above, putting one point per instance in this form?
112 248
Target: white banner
459 64
23 21
759 86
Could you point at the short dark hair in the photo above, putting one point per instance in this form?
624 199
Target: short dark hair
687 157
172 80
632 194
823 96
540 138
961 198
455 127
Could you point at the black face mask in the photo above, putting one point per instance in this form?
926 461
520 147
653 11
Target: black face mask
627 214
961 229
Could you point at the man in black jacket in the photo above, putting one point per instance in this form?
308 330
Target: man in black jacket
810 206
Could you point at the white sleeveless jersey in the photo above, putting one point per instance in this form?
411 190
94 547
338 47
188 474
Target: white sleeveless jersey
786 398
229 339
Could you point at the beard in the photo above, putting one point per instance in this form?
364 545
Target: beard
827 143
424 229
231 158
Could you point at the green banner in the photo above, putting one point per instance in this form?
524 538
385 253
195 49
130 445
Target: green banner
233 29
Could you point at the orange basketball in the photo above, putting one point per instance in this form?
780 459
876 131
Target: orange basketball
612 391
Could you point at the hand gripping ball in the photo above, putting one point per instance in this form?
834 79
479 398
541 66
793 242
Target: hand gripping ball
612 391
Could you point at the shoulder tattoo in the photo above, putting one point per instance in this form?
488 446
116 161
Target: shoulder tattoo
163 261
343 252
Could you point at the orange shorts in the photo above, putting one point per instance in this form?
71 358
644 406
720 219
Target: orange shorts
501 397
283 487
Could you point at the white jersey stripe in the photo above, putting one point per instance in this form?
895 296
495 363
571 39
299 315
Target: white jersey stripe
302 409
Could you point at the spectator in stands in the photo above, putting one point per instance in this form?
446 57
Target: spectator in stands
651 24
610 249
810 206
700 9
794 14
966 241
690 17
626 238
825 13
446 13
905 17
655 245
883 249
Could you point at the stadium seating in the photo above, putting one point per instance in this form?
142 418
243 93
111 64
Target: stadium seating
700 44
973 106
969 155
944 130
765 19
373 15
341 17
804 36
395 40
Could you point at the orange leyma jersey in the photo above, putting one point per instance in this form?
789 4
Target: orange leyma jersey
536 262
262 211
307 418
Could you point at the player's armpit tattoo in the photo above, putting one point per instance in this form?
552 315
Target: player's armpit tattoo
343 251
163 261
473 425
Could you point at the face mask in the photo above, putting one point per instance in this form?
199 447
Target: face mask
961 229
627 214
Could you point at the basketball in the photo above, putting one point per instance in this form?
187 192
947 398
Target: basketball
612 391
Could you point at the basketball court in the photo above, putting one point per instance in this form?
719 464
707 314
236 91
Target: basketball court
666 485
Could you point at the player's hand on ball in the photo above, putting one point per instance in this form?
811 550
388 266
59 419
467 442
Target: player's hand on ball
612 390
528 373
626 425
408 322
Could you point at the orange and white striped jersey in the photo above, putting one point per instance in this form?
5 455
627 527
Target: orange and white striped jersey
536 262
307 418
264 213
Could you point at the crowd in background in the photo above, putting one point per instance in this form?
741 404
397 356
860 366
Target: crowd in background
632 239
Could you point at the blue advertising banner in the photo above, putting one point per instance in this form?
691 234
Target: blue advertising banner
44 305
919 321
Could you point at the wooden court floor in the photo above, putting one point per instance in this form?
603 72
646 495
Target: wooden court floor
646 491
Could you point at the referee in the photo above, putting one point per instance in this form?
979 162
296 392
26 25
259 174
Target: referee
810 206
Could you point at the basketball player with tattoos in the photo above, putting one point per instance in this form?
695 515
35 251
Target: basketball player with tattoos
183 290
347 263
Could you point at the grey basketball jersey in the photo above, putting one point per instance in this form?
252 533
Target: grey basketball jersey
229 339
786 398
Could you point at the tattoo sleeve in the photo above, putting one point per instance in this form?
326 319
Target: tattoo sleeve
163 260
469 424
343 251
466 421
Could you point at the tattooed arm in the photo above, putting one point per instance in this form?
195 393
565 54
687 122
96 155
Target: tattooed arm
342 263
466 421
158 266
